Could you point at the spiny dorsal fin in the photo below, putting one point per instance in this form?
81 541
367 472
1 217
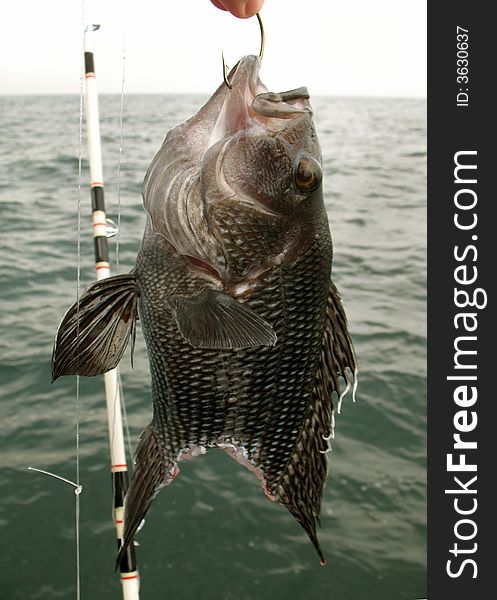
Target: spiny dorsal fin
212 319
95 342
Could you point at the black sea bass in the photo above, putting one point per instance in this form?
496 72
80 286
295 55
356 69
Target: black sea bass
246 335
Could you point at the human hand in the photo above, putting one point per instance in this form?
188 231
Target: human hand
240 8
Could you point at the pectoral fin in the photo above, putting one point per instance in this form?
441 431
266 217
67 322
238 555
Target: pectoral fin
212 319
94 333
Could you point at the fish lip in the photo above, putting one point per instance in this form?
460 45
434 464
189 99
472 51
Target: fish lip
282 105
262 104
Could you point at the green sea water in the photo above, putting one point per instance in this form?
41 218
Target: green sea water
212 534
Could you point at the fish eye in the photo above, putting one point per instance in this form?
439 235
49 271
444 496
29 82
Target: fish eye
307 174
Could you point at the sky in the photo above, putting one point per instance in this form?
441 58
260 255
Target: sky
337 47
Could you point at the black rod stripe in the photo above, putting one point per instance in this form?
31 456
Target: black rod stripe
89 63
101 249
120 487
101 243
97 198
128 562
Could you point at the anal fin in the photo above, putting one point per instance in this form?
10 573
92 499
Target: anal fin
149 477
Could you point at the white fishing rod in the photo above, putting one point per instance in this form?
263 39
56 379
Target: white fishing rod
101 231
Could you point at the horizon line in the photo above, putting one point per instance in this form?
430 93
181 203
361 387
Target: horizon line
316 94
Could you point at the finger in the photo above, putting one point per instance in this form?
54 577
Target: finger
218 4
240 8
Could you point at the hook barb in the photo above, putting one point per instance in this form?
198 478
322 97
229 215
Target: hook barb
225 71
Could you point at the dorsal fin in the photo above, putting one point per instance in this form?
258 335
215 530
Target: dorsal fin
309 462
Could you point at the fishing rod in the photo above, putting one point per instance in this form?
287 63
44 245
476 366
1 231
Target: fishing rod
102 229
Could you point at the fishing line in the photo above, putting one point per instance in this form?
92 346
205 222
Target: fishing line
119 158
124 413
78 285
78 488
125 417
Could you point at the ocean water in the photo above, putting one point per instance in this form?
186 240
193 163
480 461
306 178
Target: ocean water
212 534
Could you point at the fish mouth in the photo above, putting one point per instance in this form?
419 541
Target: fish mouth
249 103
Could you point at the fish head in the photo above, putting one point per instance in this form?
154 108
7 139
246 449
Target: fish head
244 182
263 149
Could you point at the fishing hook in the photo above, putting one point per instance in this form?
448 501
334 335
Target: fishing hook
261 52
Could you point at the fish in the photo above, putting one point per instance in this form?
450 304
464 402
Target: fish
246 334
